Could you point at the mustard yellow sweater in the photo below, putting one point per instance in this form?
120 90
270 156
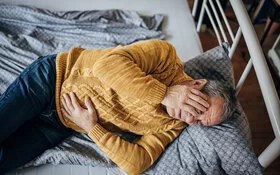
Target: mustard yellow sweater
126 85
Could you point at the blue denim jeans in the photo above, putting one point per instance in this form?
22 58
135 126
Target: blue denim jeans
29 123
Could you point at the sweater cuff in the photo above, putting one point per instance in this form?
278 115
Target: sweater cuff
157 93
97 132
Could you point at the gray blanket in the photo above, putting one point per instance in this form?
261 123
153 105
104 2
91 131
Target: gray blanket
223 149
27 33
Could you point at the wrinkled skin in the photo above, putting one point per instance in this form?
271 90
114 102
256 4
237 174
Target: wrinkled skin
185 102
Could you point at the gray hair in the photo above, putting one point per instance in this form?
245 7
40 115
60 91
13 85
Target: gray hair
216 88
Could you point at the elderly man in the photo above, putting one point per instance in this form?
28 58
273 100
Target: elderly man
103 92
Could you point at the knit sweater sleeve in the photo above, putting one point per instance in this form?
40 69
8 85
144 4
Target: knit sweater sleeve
135 157
129 69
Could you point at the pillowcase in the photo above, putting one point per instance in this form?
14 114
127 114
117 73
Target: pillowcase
222 149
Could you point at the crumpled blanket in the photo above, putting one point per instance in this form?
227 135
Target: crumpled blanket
27 33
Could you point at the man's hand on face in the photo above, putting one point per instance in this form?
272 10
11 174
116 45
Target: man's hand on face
85 118
211 117
186 97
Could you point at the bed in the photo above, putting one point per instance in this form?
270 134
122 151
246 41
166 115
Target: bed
180 30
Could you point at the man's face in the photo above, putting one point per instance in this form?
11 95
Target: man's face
212 116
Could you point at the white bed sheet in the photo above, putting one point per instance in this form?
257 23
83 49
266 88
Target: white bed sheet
179 29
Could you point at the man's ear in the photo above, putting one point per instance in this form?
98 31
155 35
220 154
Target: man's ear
199 84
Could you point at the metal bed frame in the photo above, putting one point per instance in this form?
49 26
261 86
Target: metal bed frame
257 60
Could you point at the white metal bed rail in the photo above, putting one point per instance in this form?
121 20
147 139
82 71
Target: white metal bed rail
257 60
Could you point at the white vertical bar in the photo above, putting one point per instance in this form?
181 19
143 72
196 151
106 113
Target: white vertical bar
194 7
225 19
218 20
235 42
201 15
265 81
270 153
213 24
243 76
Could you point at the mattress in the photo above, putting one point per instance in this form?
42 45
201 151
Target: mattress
178 25
179 29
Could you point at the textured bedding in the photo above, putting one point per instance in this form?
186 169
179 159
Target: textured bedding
27 33
222 149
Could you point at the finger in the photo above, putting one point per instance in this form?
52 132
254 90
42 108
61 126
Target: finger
171 112
183 115
196 105
65 106
89 105
65 113
68 102
190 109
177 113
197 92
199 100
199 112
192 120
74 100
189 118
